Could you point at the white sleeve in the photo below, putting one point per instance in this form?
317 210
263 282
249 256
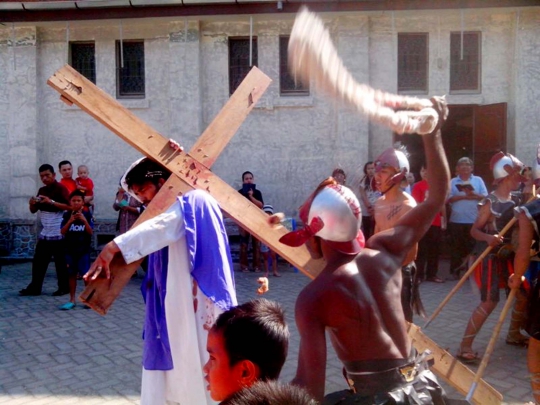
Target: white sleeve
152 235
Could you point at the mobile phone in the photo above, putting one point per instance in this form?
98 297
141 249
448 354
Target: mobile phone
247 187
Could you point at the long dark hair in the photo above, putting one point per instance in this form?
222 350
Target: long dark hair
369 184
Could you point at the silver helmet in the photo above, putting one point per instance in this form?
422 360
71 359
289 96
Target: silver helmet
332 213
395 159
503 165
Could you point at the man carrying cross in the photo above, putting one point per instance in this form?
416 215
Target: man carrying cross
188 284
356 298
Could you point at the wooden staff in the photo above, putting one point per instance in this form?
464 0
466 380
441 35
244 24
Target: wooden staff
467 274
491 344
473 266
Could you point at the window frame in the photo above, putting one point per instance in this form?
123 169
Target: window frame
300 89
478 88
129 95
410 89
73 44
255 60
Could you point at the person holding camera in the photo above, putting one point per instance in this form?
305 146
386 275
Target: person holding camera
77 228
51 201
249 190
128 209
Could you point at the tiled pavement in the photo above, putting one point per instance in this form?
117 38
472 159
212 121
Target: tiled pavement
49 356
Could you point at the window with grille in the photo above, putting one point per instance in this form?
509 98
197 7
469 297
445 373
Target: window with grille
130 69
465 62
239 60
413 62
288 86
83 59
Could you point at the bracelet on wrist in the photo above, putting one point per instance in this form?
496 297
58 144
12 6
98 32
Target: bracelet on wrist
52 202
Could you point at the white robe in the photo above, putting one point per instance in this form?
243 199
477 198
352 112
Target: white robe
188 330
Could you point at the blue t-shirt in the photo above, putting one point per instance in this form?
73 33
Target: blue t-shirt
466 211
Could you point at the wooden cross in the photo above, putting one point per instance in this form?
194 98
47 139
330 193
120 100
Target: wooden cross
192 170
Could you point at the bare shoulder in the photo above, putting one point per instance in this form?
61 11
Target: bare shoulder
408 200
327 287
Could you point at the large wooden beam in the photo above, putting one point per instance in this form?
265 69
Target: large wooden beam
191 169
453 371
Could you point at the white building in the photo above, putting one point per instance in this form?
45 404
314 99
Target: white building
185 52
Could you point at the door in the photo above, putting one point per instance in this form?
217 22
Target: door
475 131
489 137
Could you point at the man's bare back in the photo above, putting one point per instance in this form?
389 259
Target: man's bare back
364 320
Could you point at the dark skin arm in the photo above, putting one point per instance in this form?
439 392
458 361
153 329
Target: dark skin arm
413 225
484 215
523 252
62 206
310 372
33 205
254 200
469 195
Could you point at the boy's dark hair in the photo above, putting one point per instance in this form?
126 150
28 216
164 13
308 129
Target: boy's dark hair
76 193
244 174
270 393
256 331
45 167
338 170
64 162
146 170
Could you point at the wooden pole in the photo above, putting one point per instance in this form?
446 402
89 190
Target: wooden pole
472 267
467 274
453 371
491 344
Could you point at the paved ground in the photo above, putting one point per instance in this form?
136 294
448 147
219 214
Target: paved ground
49 356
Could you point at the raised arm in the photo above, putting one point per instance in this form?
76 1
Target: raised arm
413 225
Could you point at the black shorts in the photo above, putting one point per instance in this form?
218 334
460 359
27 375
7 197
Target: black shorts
78 264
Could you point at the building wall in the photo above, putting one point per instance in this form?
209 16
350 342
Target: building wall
290 143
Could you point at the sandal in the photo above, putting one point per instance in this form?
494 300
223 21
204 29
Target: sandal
67 306
517 342
468 357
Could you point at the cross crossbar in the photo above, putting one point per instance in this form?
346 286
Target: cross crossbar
191 170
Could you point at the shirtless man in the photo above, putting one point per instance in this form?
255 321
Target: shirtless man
356 296
391 168
529 225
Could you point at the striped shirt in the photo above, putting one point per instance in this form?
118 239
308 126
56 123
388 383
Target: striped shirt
51 222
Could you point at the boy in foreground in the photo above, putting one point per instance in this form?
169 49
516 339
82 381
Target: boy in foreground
247 343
